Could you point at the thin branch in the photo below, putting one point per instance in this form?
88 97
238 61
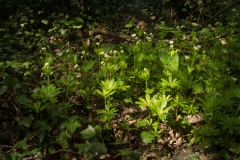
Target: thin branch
218 14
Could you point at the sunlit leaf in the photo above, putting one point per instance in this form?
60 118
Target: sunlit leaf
146 137
88 133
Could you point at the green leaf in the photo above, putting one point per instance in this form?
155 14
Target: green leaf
12 156
63 31
129 25
128 100
41 126
170 59
44 21
26 121
88 133
72 126
63 142
125 151
235 148
21 144
34 151
83 148
141 123
22 99
3 89
99 148
79 19
77 26
12 82
147 137
98 129
52 150
165 28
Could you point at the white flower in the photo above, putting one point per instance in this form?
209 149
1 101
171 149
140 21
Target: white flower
197 47
134 35
148 38
187 57
171 42
194 24
101 53
44 49
46 64
234 79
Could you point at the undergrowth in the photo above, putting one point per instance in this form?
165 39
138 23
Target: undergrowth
67 99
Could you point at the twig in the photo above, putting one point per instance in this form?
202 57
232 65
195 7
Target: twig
110 34
219 13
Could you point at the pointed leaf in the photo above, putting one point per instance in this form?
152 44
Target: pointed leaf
72 126
21 144
26 121
88 133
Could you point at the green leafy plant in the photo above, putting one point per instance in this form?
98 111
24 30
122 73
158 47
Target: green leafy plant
152 130
158 105
93 147
204 135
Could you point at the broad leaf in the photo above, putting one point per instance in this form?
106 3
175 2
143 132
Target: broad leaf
22 99
26 121
88 133
147 137
21 144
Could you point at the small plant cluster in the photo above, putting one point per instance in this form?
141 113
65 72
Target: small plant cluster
69 102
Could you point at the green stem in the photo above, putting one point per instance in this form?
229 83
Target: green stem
68 81
105 102
48 79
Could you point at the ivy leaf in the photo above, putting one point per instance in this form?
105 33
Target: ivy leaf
141 123
99 148
26 121
83 148
22 144
147 137
88 133
72 126
63 31
98 129
63 142
22 99
41 126
3 89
